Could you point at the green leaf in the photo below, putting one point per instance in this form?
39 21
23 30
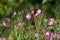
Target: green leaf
0 25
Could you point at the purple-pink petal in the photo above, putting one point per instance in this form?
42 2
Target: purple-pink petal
2 38
58 35
19 24
28 16
14 13
32 12
6 19
43 31
38 11
51 36
36 35
47 33
4 24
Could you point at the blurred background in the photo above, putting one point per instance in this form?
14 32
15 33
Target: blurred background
51 8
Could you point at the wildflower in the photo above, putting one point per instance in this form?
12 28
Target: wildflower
2 38
14 13
38 12
51 36
7 19
15 27
51 19
4 24
51 22
45 20
58 35
43 31
36 35
19 24
28 16
32 12
47 33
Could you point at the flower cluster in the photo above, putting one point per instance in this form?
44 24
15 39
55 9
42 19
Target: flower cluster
29 22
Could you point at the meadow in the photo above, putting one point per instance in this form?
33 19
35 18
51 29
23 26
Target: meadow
29 20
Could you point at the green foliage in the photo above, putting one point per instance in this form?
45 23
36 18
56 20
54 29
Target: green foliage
50 8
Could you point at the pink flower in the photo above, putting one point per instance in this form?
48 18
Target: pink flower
38 12
28 16
51 22
58 35
4 24
51 19
19 24
7 19
2 38
51 36
43 31
14 13
47 33
36 35
32 12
